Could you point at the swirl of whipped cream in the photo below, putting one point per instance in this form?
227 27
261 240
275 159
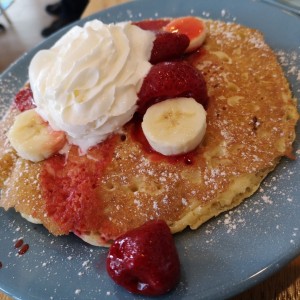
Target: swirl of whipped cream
86 84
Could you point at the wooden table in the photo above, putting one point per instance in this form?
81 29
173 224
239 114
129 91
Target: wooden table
284 285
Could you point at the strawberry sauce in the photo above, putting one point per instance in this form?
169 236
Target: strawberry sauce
69 187
24 99
23 249
19 243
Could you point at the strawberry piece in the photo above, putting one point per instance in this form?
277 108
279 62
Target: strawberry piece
157 24
24 99
170 80
145 260
168 46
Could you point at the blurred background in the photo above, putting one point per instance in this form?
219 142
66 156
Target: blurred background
28 18
26 23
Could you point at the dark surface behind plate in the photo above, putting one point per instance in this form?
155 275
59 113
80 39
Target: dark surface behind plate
225 256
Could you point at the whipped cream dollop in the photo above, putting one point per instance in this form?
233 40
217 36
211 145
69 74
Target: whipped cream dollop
86 84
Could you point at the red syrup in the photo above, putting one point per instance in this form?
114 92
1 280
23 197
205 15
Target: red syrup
19 243
23 249
69 187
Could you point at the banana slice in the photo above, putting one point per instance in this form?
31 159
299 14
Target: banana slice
195 28
175 126
33 138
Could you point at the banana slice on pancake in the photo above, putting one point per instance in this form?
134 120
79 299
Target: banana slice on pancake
175 126
33 138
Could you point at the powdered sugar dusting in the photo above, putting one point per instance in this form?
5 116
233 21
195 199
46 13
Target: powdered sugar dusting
290 61
8 87
273 194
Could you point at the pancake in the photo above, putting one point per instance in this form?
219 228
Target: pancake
121 183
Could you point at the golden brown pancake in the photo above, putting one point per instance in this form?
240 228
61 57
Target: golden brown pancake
121 184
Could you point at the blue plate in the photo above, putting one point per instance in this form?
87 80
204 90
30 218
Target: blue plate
225 256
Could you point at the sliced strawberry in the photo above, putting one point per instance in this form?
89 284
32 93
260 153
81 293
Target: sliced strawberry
24 99
152 24
169 80
168 46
